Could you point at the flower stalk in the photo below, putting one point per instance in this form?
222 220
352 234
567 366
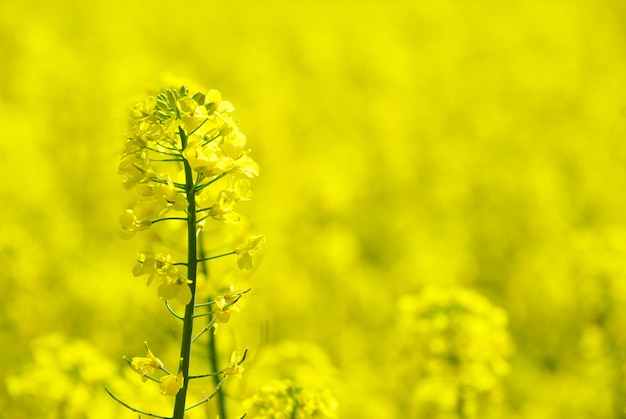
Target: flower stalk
212 346
205 148
192 266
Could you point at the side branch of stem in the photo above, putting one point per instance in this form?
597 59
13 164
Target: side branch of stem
126 405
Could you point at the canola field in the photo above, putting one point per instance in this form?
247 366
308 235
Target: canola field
441 190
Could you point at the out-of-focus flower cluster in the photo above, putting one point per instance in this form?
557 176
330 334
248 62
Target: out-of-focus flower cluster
66 378
455 346
282 399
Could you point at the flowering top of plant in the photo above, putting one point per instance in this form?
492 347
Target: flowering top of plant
198 129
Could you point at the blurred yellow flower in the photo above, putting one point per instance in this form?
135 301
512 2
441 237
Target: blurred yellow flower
282 399
186 105
167 197
143 109
224 208
247 250
242 189
234 367
131 224
226 304
145 366
246 166
177 289
206 159
135 167
159 266
172 284
170 384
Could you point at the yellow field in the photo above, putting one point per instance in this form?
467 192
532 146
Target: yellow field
441 190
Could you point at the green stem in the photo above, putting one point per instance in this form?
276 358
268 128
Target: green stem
213 356
221 401
192 265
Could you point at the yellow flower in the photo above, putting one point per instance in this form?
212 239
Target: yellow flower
130 224
144 109
247 250
233 368
224 208
208 159
160 266
135 168
246 166
168 197
170 384
177 289
186 105
172 285
145 366
212 100
225 305
233 142
242 190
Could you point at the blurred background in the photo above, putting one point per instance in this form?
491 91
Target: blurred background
442 192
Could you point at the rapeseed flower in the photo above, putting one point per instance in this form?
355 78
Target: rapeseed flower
234 366
226 304
171 384
131 224
145 366
246 251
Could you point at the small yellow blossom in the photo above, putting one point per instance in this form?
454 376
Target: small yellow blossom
170 384
233 142
243 192
247 250
145 366
187 105
159 266
246 166
162 268
234 367
177 289
130 224
212 100
224 208
135 168
207 159
144 109
226 304
167 197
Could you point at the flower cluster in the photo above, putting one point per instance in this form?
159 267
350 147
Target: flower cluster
281 399
175 129
146 366
182 144
456 348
